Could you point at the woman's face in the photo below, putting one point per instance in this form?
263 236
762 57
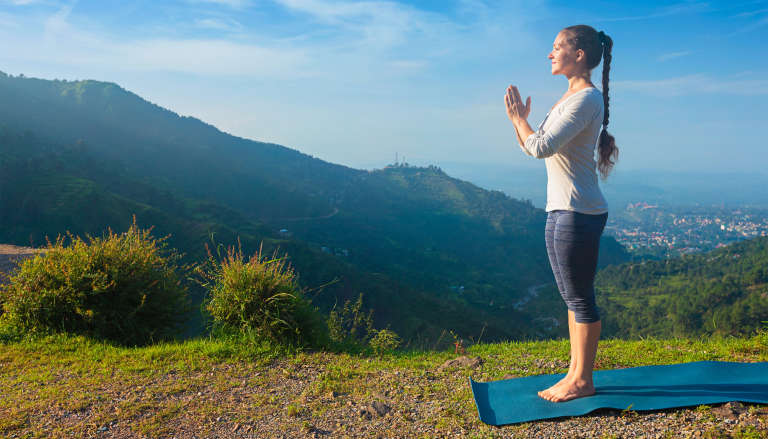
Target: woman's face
565 61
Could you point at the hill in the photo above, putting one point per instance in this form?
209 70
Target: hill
724 291
721 292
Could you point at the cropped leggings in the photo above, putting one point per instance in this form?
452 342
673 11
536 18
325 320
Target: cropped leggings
573 242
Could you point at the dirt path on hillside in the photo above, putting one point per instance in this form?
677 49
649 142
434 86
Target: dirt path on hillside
304 218
533 291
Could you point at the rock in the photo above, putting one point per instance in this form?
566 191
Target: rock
366 412
381 408
551 364
730 410
509 376
462 361
376 408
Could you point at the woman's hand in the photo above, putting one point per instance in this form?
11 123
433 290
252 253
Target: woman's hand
516 110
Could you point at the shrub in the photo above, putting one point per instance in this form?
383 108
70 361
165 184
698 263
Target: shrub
384 340
351 329
122 288
259 297
351 326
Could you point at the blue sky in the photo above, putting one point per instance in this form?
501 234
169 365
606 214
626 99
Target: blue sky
354 82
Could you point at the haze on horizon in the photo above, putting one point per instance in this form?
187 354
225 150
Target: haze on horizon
355 82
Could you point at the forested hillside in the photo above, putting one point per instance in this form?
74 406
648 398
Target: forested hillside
724 292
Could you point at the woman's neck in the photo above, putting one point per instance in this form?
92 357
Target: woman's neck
579 81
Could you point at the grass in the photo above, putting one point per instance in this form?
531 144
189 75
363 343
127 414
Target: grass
61 385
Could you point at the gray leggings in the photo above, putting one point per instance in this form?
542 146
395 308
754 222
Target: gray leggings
573 243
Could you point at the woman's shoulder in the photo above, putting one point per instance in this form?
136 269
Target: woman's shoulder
590 98
592 93
595 93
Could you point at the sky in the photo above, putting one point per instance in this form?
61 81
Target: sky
360 83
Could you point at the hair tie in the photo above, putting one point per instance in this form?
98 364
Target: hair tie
601 35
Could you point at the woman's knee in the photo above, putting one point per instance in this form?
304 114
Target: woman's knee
584 312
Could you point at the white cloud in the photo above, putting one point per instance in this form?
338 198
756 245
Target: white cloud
363 41
751 13
381 24
234 4
672 55
694 84
666 11
215 57
763 21
23 2
64 44
228 25
58 22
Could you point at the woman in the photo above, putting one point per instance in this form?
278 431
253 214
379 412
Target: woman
576 209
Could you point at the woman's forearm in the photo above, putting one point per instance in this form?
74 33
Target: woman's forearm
519 139
523 130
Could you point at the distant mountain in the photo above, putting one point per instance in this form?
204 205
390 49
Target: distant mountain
428 251
689 187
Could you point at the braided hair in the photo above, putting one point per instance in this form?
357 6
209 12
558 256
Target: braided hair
597 45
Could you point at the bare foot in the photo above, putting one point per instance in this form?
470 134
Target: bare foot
572 389
563 381
546 393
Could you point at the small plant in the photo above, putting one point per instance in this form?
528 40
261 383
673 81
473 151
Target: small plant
293 410
259 297
628 412
458 344
123 288
746 432
351 329
351 326
762 333
384 341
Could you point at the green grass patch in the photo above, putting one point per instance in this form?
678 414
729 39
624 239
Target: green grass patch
78 384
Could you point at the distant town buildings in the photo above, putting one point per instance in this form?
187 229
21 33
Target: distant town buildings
665 231
335 251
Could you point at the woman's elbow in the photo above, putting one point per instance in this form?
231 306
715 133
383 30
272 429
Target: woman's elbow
542 153
538 148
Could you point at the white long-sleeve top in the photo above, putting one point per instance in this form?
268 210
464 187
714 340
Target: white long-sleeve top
566 139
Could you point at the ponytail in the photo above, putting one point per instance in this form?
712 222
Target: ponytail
607 150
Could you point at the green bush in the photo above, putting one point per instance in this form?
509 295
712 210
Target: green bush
123 288
351 327
384 341
259 297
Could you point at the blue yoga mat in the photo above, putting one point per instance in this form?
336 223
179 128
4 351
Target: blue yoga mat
637 388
